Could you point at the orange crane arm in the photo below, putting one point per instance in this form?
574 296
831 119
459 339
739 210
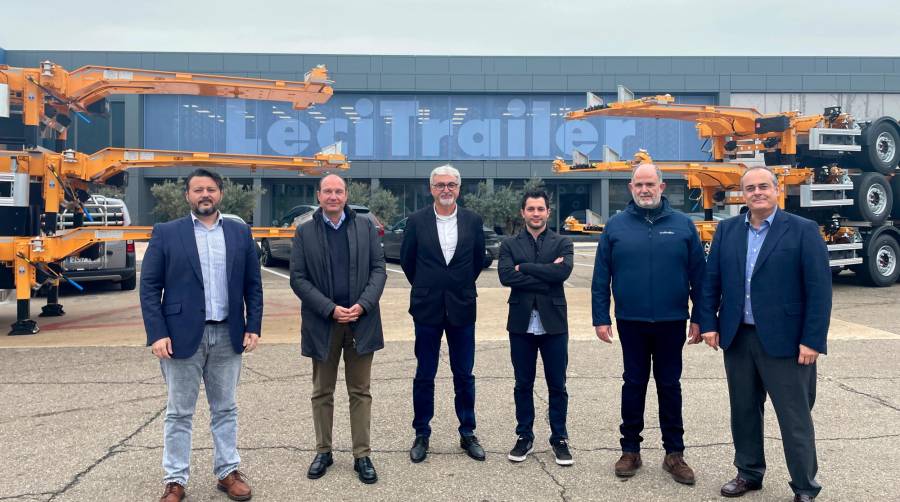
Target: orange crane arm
718 120
76 91
61 171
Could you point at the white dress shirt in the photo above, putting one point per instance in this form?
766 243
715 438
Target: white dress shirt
448 233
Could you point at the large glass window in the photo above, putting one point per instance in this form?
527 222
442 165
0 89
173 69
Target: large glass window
413 127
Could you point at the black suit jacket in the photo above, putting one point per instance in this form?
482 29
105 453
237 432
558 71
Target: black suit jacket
442 291
538 284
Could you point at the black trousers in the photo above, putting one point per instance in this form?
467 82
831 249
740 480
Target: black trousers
554 349
657 345
751 375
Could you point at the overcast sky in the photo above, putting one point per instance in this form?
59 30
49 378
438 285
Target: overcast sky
461 27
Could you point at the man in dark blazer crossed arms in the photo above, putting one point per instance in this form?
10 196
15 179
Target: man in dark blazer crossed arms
767 302
197 275
442 254
535 264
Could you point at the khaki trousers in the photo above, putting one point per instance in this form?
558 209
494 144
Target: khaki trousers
358 373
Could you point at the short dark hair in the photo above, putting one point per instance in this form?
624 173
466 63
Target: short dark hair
536 194
203 173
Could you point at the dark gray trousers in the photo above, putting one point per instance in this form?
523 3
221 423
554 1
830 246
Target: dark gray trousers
751 375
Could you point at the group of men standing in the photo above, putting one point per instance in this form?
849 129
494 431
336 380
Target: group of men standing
763 295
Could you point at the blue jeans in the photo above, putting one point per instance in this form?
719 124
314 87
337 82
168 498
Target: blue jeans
216 363
461 344
554 349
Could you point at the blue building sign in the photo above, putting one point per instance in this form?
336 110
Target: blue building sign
436 127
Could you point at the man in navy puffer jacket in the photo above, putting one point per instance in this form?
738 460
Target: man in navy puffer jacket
653 258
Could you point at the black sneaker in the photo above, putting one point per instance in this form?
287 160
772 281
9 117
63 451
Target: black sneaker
561 452
520 452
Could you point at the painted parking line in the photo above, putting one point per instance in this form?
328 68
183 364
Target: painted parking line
279 274
394 270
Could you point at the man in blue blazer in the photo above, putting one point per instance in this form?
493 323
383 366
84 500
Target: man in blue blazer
767 302
197 276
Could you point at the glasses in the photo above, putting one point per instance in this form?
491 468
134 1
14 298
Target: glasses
441 186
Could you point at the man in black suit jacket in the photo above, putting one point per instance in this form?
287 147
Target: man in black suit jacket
535 264
442 254
767 302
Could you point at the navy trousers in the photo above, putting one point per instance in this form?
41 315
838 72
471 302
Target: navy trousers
554 350
461 345
657 345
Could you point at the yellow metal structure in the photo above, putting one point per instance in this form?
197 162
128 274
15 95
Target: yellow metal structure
61 172
76 91
715 179
45 97
722 124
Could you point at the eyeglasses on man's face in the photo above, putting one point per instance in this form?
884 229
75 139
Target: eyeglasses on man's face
440 187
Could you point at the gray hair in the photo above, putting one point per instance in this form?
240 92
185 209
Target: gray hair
761 168
659 175
446 170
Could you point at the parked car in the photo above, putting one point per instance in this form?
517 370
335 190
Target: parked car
393 238
105 261
273 251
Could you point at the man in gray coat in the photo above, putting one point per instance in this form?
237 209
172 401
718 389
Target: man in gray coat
337 271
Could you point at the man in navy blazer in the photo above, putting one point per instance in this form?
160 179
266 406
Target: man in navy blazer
197 276
442 255
767 302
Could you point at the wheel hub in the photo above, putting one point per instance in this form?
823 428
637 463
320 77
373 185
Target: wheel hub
886 147
877 199
885 260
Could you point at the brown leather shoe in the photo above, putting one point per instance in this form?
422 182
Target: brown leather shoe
739 486
628 464
235 486
675 465
174 493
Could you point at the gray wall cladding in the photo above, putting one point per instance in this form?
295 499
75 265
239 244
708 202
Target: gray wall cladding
399 73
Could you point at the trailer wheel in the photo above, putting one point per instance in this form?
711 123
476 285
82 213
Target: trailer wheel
881 153
880 267
872 197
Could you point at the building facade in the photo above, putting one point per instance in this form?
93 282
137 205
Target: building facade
499 120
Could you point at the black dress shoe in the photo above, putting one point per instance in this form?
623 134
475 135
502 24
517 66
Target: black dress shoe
366 470
419 449
319 465
802 497
739 486
472 447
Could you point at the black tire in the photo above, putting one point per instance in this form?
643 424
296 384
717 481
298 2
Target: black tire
895 188
881 152
880 267
129 284
872 197
265 256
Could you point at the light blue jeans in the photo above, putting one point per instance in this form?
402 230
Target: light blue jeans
216 363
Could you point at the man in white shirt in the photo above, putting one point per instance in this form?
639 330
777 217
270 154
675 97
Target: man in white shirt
442 254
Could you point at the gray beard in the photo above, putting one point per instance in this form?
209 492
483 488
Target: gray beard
653 205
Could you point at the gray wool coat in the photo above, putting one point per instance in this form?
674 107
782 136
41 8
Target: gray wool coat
311 281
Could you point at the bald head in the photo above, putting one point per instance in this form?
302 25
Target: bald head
332 178
650 169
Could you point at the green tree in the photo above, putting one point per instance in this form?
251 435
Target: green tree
170 201
385 205
500 207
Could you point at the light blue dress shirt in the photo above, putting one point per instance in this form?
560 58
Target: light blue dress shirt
332 224
211 248
755 239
